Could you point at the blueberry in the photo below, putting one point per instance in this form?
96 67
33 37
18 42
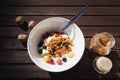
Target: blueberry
40 43
40 50
44 47
64 59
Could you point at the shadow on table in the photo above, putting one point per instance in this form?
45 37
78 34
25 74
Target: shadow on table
80 70
84 69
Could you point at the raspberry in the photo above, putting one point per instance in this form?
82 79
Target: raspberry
57 35
59 62
51 61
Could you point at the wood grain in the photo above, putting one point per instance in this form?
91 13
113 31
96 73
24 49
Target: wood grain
60 2
14 31
13 43
69 11
83 21
22 71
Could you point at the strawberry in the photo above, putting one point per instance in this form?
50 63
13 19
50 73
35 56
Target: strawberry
59 61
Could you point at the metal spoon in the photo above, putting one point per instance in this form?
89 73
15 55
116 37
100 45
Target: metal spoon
75 18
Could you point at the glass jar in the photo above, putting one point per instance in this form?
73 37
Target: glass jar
102 64
102 43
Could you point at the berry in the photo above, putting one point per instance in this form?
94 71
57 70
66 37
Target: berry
60 53
64 59
51 61
57 35
59 62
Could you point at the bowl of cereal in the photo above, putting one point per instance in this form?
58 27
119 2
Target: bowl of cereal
53 50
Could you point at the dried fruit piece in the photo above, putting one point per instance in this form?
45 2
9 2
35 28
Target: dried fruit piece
70 54
59 61
69 49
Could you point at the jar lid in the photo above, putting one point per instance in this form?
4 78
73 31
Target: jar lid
104 64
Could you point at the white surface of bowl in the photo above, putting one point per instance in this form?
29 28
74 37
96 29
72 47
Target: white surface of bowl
55 24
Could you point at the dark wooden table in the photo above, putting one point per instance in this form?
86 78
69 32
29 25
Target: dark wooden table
15 63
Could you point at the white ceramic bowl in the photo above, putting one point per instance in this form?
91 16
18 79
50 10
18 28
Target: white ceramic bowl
55 24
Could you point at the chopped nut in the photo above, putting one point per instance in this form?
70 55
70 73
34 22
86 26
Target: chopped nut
22 37
19 19
31 24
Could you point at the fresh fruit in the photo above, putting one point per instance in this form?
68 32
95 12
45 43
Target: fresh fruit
59 61
60 53
70 54
64 59
51 61
46 58
57 35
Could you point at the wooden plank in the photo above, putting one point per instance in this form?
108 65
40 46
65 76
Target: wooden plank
60 2
32 71
13 43
59 11
22 57
10 43
84 75
83 21
10 31
14 57
22 71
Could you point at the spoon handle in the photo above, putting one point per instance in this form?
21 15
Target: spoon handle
75 18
